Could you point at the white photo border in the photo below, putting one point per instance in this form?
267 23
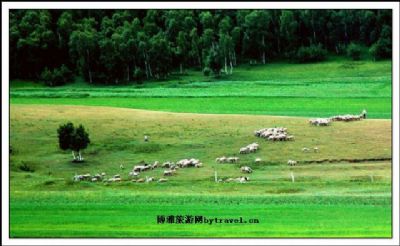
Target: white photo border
6 6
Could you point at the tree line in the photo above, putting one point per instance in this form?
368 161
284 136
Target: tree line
119 46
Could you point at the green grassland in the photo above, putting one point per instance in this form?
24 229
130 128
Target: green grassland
274 89
120 214
344 190
330 199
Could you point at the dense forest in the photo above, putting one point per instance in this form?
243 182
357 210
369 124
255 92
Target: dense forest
120 46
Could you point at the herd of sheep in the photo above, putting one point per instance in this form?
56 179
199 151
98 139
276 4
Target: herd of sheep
274 134
345 118
271 134
251 148
137 169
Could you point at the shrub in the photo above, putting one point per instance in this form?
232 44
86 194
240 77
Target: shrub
59 76
381 49
354 51
312 53
206 71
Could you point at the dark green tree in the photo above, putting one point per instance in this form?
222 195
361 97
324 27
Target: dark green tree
75 139
354 51
82 44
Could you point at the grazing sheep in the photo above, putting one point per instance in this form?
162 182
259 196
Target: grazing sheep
244 150
305 149
273 134
141 168
188 162
251 148
349 117
292 163
117 176
290 138
133 174
115 179
167 164
138 168
77 177
98 177
242 179
169 172
246 169
224 159
149 179
155 165
316 149
320 121
257 160
146 138
103 174
174 167
198 165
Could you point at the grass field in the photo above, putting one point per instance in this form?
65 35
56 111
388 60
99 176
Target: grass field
275 89
120 214
336 199
344 190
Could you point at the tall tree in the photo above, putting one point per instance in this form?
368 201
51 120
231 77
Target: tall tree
82 43
256 31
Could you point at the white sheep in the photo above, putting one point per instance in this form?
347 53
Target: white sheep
244 150
169 172
246 169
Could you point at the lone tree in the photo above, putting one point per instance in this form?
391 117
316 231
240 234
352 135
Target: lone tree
75 139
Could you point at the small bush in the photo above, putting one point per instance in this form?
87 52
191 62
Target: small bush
26 167
354 51
59 76
312 53
207 71
381 49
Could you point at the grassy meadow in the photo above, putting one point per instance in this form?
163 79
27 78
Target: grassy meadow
344 190
275 89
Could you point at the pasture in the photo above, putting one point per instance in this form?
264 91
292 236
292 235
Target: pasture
274 89
245 123
343 190
330 199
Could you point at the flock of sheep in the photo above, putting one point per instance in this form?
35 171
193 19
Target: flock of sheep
345 118
270 134
251 148
137 169
274 134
